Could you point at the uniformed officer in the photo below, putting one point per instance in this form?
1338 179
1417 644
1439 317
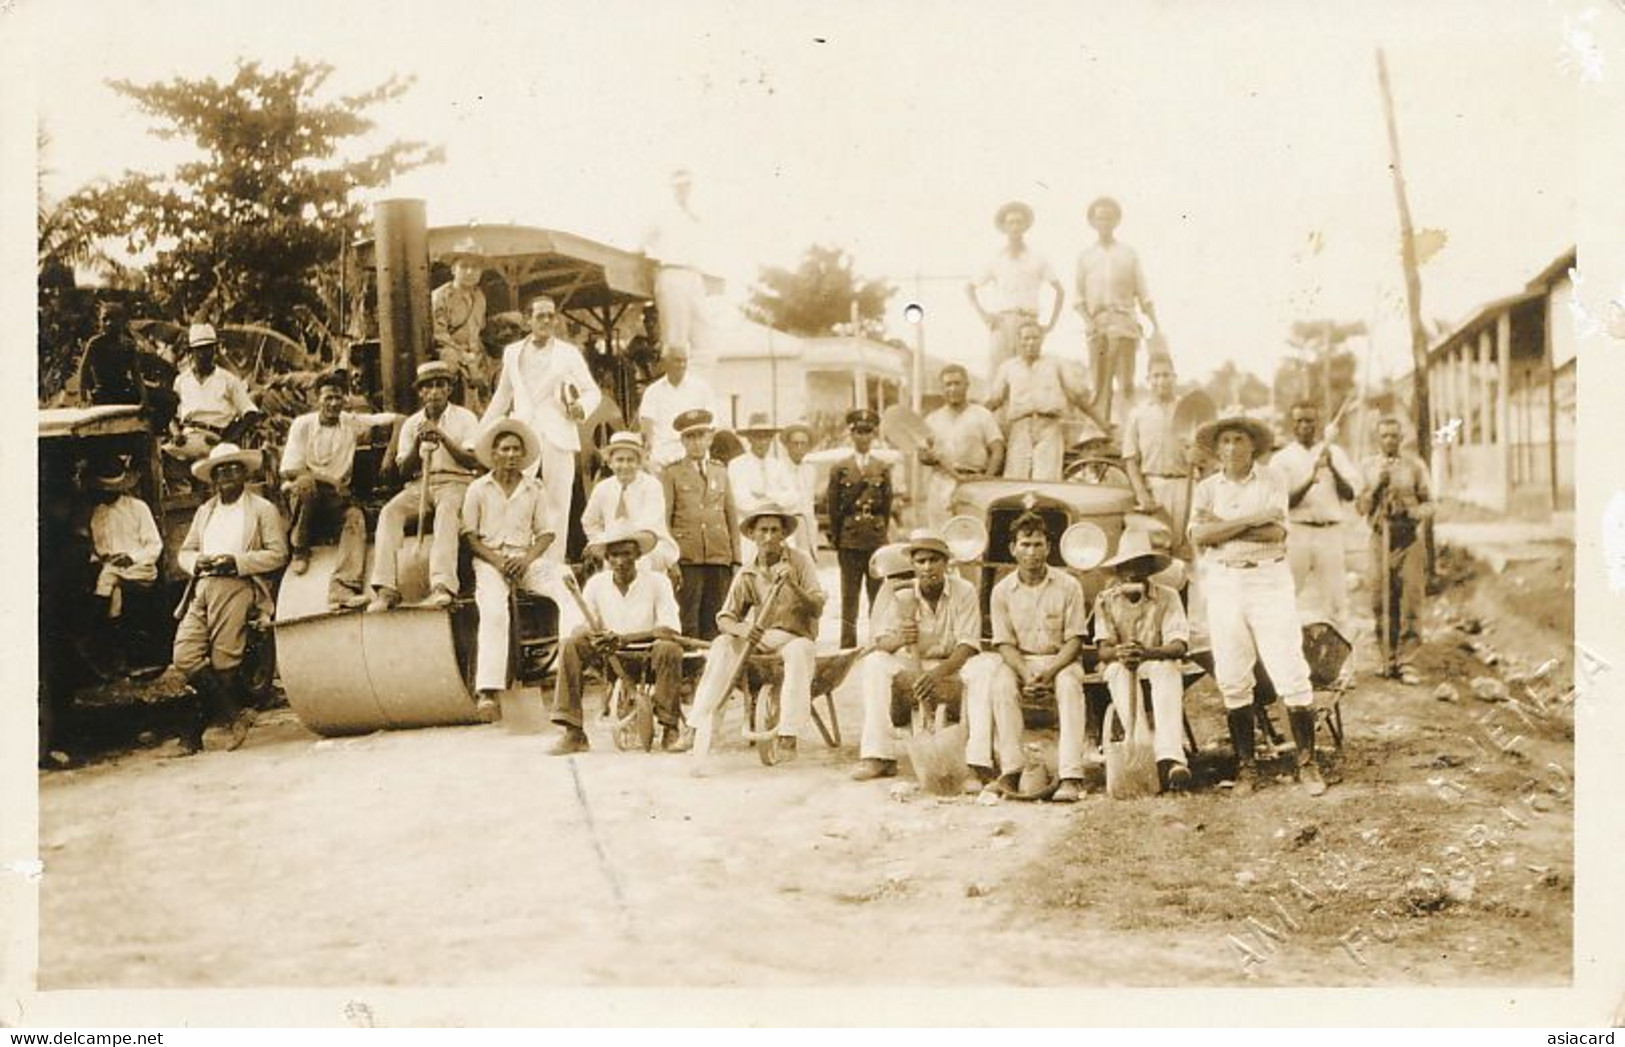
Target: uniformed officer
703 523
859 500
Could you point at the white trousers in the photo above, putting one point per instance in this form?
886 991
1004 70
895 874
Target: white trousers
558 474
1316 556
878 670
1167 702
995 709
1035 449
679 297
1253 613
491 597
795 693
939 496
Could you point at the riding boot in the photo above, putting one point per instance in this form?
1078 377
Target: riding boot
1242 726
234 706
205 708
1303 733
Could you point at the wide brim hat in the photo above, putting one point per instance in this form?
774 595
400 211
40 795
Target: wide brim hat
1017 207
1262 436
465 250
485 446
758 423
1136 545
434 370
624 531
221 454
791 520
928 541
796 427
624 441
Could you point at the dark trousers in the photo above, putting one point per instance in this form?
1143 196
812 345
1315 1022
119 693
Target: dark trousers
705 586
854 573
665 661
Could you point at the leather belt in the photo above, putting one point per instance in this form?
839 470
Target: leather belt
1245 565
1167 476
1047 415
1313 523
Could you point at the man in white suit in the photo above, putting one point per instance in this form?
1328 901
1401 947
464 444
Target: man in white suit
545 384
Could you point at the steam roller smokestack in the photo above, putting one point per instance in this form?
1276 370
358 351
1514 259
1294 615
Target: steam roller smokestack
401 239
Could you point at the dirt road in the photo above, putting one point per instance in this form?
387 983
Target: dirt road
469 857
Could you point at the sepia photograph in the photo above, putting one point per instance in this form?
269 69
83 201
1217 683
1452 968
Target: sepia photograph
893 496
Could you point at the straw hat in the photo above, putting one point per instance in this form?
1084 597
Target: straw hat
223 453
1262 436
624 531
623 441
757 425
748 524
1136 545
485 446
891 561
926 540
112 475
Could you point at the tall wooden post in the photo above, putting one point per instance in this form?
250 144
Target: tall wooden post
1503 402
401 244
1413 279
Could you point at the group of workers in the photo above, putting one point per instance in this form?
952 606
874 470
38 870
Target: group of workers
725 554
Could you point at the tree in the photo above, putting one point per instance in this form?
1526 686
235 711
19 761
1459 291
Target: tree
818 295
253 231
1326 370
1229 386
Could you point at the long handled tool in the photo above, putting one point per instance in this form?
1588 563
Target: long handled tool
1131 764
1386 571
936 750
708 725
412 575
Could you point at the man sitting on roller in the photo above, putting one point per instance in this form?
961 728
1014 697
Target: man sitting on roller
631 607
789 627
940 624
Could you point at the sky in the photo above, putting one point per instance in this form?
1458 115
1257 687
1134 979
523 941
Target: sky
1244 140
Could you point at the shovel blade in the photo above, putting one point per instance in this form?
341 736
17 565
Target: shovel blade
412 571
938 758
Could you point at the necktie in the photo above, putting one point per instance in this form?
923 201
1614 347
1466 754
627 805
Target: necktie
620 506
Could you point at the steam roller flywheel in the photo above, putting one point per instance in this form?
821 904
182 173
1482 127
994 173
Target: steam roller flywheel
350 672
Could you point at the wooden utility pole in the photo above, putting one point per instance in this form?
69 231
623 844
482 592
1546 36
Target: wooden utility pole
1413 279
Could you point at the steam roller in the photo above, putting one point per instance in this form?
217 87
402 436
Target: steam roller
349 672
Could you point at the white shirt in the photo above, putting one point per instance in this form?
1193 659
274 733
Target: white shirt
758 481
962 438
502 520
458 423
532 389
225 530
327 450
126 526
1110 284
1320 503
663 402
1016 281
647 603
217 400
675 237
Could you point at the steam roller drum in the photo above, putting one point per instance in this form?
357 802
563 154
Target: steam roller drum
351 672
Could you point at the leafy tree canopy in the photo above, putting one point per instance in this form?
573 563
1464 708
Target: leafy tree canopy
253 230
817 295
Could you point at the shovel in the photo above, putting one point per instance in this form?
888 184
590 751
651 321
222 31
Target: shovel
1131 764
412 562
936 751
